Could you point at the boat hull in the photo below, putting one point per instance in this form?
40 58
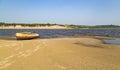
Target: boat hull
26 36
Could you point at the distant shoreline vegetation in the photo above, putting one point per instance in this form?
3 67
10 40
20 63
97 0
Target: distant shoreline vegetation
3 24
96 26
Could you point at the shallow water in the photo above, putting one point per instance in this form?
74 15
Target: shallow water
115 41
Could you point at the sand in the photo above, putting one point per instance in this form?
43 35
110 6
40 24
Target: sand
37 27
59 54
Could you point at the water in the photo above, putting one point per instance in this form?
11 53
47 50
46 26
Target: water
115 41
50 33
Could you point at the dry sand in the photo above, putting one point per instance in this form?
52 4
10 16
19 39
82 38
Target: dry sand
37 27
59 54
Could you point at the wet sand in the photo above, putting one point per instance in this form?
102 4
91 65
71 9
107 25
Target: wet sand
85 53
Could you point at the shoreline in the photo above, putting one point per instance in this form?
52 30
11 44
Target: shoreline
35 28
41 27
101 38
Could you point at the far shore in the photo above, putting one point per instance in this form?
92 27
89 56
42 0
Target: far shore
40 27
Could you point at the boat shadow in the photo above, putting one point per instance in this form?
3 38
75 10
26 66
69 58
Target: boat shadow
7 38
14 38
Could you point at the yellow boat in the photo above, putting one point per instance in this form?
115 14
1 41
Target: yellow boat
26 35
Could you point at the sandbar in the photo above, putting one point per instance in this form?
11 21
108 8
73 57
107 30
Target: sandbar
85 53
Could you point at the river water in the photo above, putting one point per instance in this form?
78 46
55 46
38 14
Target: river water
50 33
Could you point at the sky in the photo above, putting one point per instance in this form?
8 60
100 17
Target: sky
78 12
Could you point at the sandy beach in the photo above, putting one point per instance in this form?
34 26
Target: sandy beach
85 53
36 27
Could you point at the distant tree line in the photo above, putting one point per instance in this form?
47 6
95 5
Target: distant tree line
29 25
49 24
97 26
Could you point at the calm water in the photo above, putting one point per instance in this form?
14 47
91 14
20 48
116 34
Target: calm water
116 41
49 33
